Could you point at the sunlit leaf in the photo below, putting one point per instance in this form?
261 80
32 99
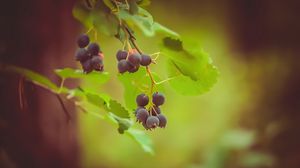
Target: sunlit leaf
93 77
117 109
31 76
142 139
191 69
108 104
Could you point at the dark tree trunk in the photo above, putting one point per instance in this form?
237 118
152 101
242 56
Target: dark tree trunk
38 35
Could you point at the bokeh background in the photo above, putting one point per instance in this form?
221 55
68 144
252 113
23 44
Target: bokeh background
249 119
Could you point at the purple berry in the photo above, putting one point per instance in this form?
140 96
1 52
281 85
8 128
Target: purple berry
162 120
87 66
142 115
158 99
93 49
82 55
83 40
133 69
121 54
142 100
145 60
152 122
123 66
134 59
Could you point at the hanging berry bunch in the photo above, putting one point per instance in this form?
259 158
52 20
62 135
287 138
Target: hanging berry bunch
149 114
130 61
89 54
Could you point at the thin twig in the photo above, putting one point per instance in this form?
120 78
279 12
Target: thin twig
21 92
64 107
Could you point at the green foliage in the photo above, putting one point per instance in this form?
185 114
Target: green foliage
141 138
143 20
93 77
191 68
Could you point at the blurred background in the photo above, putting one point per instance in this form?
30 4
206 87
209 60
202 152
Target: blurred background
249 119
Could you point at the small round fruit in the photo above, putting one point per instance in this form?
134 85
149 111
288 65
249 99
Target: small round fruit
123 66
133 69
162 120
97 63
134 59
142 100
93 49
155 110
145 60
121 54
142 115
87 66
158 99
137 109
81 55
152 122
83 40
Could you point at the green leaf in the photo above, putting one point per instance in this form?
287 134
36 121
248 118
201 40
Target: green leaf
136 83
123 123
158 28
108 104
144 21
142 139
97 100
117 109
34 77
191 68
93 77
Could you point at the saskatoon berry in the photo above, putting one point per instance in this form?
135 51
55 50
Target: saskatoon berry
93 49
145 60
158 99
162 121
142 115
138 109
155 110
142 100
87 66
97 63
123 66
83 40
121 54
133 69
134 59
152 122
81 55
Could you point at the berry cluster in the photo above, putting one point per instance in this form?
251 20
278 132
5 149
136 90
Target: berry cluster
89 54
152 117
130 61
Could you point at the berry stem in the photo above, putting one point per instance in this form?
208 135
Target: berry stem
132 40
